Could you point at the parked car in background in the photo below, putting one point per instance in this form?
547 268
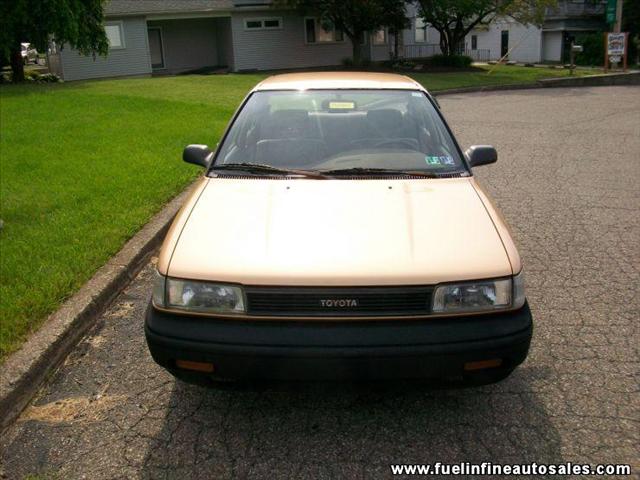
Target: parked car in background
29 55
339 233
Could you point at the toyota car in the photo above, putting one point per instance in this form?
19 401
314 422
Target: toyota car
338 233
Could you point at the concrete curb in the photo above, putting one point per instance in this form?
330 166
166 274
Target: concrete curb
629 78
486 88
24 371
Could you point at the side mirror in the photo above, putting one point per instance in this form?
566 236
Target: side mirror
481 155
197 154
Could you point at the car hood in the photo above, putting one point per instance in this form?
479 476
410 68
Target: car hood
338 232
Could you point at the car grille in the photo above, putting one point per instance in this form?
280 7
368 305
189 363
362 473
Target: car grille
338 302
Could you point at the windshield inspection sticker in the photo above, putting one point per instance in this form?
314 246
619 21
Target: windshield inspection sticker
439 161
342 105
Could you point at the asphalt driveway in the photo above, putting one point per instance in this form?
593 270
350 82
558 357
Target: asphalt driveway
567 181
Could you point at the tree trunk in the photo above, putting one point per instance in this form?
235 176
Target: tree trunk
445 43
396 45
356 50
17 66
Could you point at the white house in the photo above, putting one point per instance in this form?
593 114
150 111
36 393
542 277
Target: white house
523 43
563 24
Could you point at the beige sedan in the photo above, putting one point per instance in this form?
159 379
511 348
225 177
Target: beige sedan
339 233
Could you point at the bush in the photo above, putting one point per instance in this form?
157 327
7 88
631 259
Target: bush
593 49
49 78
455 61
348 62
34 76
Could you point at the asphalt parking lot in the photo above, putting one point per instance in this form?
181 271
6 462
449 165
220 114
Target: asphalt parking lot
568 182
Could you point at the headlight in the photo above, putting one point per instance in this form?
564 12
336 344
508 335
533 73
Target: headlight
196 296
479 296
159 288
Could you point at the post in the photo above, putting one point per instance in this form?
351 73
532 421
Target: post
572 59
626 50
606 54
617 28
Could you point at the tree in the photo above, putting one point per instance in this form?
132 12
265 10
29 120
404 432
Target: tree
77 23
454 19
353 17
631 24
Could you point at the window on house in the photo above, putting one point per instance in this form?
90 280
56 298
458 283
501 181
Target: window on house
263 24
316 33
272 23
421 30
114 35
379 37
474 42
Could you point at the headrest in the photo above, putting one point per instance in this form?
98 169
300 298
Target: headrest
287 124
385 119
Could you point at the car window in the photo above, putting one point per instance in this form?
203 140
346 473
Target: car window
338 129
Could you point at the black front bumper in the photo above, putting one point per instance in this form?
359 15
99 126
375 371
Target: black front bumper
337 350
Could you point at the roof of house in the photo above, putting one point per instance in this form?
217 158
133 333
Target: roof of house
338 80
135 7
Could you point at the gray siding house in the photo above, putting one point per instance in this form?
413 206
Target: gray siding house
172 36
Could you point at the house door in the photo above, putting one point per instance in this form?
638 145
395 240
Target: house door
155 47
504 43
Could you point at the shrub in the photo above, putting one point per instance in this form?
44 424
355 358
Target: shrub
31 75
593 49
49 78
34 76
347 62
455 61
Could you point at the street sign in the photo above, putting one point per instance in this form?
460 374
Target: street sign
616 43
615 49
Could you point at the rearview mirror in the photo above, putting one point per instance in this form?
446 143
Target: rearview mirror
481 155
197 154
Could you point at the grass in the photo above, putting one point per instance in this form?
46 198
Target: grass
499 75
84 165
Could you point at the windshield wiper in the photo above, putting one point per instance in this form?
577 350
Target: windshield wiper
379 171
262 168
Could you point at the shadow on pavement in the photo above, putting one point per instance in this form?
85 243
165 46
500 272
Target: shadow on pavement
348 430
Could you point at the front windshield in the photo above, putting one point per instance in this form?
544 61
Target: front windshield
330 130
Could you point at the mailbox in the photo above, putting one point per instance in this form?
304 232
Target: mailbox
576 48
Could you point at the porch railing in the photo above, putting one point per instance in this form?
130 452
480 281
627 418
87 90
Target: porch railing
425 50
421 50
479 55
573 9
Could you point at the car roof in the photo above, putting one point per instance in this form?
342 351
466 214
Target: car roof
338 80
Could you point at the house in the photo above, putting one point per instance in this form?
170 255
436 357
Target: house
550 43
504 35
172 36
566 22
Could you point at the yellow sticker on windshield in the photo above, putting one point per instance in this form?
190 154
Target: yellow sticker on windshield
342 105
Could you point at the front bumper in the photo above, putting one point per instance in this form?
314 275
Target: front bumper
339 350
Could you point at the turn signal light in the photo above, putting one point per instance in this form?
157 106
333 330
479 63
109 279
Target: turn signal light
196 366
482 364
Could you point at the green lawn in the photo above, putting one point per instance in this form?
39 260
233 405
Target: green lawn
84 165
499 75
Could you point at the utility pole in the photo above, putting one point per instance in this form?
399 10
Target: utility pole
617 28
